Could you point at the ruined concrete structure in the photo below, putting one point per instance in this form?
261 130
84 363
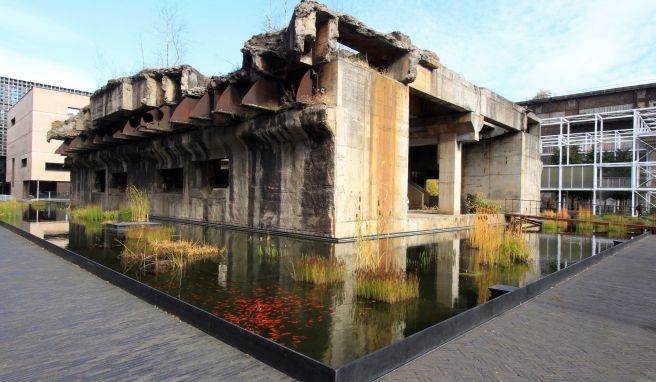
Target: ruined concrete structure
328 127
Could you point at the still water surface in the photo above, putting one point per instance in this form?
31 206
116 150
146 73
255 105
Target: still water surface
327 323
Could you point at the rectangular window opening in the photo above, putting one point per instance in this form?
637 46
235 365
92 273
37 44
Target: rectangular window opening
172 180
100 181
119 181
24 162
56 167
219 173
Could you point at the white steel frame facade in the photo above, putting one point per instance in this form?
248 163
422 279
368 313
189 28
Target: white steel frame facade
640 140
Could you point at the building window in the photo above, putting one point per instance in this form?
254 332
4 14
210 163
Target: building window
24 162
72 111
13 121
219 173
56 167
99 183
172 180
118 181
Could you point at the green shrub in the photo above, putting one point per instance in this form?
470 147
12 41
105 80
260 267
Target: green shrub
477 203
433 187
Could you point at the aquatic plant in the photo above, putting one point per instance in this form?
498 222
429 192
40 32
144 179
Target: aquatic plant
616 227
389 287
138 204
318 270
10 211
161 255
93 212
38 205
269 251
585 227
553 226
498 245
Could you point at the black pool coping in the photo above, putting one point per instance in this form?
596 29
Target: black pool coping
300 366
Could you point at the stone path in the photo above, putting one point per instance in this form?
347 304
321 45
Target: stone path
58 322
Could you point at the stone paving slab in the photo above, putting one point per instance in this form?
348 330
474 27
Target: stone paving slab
59 322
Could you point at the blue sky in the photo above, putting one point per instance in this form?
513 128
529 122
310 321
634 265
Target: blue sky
514 48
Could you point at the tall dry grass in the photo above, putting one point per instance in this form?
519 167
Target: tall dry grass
151 249
585 227
497 245
138 204
318 270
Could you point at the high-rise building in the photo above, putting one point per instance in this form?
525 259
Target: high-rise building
12 90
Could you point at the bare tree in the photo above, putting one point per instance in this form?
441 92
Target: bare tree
542 94
276 18
171 32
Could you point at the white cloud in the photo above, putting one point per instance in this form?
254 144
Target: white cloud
17 65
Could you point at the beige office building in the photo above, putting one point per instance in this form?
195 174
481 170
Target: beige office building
33 168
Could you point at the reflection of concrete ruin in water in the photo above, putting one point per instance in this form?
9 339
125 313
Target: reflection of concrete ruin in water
349 326
305 134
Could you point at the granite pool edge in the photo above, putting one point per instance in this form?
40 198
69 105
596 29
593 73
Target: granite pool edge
302 367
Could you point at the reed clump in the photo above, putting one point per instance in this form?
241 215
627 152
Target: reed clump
94 213
318 270
151 249
616 227
138 204
553 226
498 245
585 227
389 287
11 210
269 251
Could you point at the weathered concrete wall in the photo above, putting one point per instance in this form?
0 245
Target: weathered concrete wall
506 167
275 183
371 151
461 95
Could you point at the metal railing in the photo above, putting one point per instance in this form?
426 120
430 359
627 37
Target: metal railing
536 207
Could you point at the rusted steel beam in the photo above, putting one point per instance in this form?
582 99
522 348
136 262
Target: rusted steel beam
183 110
229 102
61 150
202 108
157 119
304 91
265 94
130 130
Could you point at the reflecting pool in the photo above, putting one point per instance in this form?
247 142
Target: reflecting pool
254 289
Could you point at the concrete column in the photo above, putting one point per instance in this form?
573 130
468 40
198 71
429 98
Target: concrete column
450 154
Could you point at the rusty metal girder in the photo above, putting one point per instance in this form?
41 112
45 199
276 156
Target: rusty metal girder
304 92
130 130
265 94
61 150
157 120
202 109
183 110
229 102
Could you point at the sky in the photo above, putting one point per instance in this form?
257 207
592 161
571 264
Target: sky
514 48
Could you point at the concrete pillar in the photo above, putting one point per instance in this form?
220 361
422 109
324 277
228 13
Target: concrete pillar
450 154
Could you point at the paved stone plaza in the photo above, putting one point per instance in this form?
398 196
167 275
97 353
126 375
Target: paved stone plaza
62 323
